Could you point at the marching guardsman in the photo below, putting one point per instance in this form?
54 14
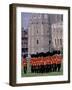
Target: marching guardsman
59 60
55 68
33 67
24 66
45 65
48 66
42 67
55 61
32 70
36 67
53 64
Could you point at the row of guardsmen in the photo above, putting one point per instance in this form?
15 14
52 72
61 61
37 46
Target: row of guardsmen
44 64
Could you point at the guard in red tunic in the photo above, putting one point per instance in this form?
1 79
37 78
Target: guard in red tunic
59 61
24 66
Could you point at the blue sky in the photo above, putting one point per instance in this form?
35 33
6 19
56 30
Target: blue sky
25 19
26 16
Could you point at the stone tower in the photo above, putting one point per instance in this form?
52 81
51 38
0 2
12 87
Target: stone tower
39 34
57 33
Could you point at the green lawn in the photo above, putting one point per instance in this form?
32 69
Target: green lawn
42 74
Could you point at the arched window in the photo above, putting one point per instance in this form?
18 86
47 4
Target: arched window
37 41
61 41
55 41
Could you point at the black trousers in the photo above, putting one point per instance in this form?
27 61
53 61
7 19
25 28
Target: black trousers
25 70
59 67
